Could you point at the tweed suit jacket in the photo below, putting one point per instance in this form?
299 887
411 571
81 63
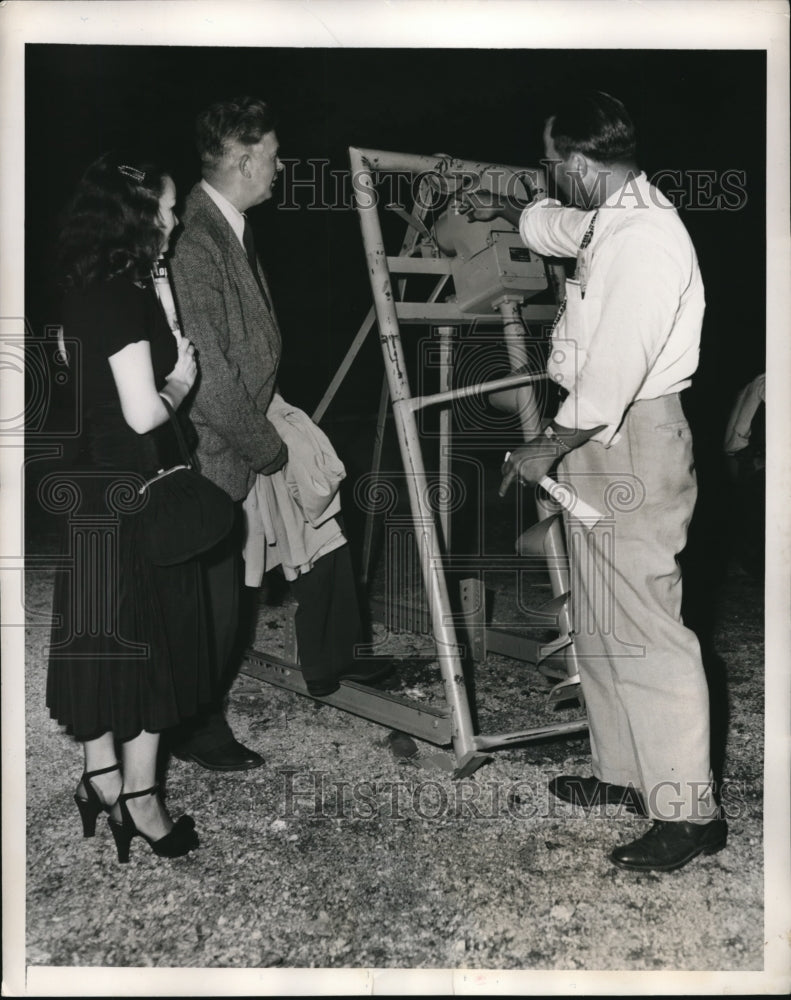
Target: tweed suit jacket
238 343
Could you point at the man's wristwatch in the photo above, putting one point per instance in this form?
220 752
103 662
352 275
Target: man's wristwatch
558 441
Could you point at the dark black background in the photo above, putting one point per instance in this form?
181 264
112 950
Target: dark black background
694 111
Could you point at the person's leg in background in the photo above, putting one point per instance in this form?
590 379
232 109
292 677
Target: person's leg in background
329 626
327 620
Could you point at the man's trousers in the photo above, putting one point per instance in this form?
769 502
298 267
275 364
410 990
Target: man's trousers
327 621
640 667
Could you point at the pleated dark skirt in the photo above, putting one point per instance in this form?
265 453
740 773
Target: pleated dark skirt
130 646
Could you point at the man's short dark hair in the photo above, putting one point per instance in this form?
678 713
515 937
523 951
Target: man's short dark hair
597 125
242 119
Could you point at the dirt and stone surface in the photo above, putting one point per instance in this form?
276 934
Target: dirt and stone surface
350 850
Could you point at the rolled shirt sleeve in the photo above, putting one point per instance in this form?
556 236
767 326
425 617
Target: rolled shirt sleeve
552 230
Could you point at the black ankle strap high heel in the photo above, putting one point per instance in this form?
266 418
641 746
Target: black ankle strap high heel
179 841
92 805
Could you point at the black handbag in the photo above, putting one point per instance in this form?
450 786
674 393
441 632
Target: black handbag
186 514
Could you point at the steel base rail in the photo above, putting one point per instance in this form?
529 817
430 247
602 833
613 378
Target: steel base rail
495 741
429 724
432 725
447 645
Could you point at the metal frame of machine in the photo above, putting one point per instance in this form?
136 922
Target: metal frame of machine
493 276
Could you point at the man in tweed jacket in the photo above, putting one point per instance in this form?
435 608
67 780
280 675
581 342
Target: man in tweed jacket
225 304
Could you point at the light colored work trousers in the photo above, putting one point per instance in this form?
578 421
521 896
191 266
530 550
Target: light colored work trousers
640 668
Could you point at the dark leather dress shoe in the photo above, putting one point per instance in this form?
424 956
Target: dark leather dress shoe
360 672
320 689
231 756
590 792
670 845
368 671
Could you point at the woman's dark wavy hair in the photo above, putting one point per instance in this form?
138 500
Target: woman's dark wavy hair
111 227
596 124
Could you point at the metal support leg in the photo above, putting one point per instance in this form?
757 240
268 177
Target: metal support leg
473 608
514 335
426 534
446 334
376 467
547 536
547 539
343 370
473 592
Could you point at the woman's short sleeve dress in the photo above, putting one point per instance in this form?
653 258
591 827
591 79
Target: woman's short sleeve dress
129 647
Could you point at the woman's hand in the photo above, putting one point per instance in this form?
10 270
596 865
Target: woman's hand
133 373
184 373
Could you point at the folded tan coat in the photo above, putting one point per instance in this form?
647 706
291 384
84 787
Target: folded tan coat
291 514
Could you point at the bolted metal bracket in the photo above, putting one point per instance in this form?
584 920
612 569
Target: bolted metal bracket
568 689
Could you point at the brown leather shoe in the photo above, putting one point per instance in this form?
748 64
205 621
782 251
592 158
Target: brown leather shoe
590 792
670 845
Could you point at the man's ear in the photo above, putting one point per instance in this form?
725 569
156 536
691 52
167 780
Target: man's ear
578 164
244 165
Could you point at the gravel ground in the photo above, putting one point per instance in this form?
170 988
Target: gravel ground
348 850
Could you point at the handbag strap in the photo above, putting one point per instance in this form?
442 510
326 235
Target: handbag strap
161 282
188 459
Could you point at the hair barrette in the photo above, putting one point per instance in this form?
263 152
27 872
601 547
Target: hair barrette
133 172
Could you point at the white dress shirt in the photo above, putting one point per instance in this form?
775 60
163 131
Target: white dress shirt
631 326
234 217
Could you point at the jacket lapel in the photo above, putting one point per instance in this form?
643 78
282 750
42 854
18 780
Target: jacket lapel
232 249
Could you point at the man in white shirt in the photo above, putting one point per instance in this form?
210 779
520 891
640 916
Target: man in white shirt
624 345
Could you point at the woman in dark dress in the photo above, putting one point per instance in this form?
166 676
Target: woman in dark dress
129 652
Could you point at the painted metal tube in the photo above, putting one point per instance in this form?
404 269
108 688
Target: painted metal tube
446 334
507 382
386 161
425 527
343 370
376 468
514 336
492 742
